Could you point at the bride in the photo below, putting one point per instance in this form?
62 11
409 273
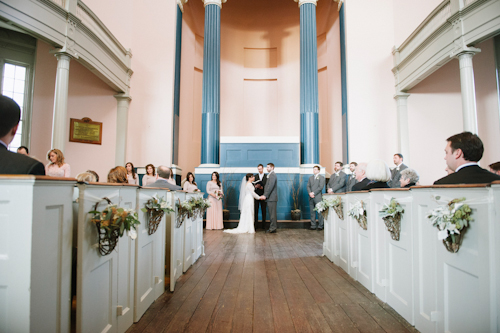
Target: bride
247 197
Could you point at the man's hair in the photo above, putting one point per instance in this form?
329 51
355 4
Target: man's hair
355 164
400 155
10 113
260 165
164 172
495 166
318 167
341 164
25 148
271 164
470 144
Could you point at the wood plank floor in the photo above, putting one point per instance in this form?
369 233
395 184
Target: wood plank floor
268 283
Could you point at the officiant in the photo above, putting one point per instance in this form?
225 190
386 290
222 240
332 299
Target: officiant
260 183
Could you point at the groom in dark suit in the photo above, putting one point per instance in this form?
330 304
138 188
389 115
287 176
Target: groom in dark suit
260 184
271 196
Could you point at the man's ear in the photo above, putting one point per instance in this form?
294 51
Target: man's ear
14 129
458 153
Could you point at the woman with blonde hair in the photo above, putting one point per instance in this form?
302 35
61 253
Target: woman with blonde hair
118 175
57 167
378 172
150 176
131 175
86 177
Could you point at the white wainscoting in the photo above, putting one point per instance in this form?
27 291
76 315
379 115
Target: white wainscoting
175 236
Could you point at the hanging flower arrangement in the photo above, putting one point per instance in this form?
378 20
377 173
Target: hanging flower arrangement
358 212
391 214
328 202
156 208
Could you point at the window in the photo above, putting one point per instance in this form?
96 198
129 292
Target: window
14 86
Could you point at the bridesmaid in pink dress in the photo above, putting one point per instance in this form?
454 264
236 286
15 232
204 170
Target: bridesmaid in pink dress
214 213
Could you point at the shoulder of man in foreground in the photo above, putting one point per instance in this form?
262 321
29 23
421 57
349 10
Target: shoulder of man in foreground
13 163
468 175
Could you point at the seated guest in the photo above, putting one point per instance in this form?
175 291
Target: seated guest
396 172
162 181
360 173
150 176
379 174
57 167
351 179
462 152
23 150
336 184
190 185
409 177
495 168
85 177
118 175
94 173
131 175
12 163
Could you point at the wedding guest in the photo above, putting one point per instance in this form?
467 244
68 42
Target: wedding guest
495 168
162 181
190 185
95 174
360 173
379 174
409 177
86 177
118 175
150 176
23 150
351 179
57 167
214 213
131 175
448 170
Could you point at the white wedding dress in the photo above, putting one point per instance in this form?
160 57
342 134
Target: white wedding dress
247 212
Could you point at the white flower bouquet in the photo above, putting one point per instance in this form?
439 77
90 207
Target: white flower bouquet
156 208
358 212
391 214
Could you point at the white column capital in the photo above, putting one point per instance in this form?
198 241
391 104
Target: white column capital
340 2
123 97
181 3
301 2
471 51
213 2
401 95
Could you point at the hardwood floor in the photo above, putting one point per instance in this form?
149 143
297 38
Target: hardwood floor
268 283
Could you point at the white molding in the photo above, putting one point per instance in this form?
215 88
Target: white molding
213 2
301 2
259 139
207 171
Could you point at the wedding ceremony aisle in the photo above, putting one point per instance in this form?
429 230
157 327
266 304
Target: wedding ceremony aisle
268 283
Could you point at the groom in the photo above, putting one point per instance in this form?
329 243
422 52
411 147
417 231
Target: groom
271 196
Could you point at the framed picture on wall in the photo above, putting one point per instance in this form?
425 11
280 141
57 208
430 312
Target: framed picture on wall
85 131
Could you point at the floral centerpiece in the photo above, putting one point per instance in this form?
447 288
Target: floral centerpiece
112 222
324 205
451 220
358 212
156 208
391 214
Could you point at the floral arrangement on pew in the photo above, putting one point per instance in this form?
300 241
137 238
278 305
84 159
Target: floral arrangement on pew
451 220
112 223
358 212
324 205
189 208
200 206
156 208
391 214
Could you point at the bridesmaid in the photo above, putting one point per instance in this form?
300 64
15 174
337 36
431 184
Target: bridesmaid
190 185
214 213
150 176
57 167
131 175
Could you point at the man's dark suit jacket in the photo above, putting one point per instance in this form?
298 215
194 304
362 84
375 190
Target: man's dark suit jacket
18 164
361 185
376 185
259 191
162 183
473 174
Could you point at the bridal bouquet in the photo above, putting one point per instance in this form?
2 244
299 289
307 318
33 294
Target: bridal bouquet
358 212
451 220
391 214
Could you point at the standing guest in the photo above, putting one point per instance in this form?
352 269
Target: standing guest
260 184
360 177
379 174
131 175
409 178
462 152
214 213
315 186
396 172
336 184
12 163
23 150
190 185
495 168
118 175
86 177
95 174
162 181
171 180
351 179
57 167
150 176
271 197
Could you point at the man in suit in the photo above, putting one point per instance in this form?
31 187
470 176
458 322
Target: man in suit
396 172
495 168
13 163
336 184
360 177
462 153
351 179
271 197
260 184
315 186
162 181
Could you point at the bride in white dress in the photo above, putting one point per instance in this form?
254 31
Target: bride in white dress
247 208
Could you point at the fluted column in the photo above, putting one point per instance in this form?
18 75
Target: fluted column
177 82
403 127
210 104
60 124
123 103
468 88
309 128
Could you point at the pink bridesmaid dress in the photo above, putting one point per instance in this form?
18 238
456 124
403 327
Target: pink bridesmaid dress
214 213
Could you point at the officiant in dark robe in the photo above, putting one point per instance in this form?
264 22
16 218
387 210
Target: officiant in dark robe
260 183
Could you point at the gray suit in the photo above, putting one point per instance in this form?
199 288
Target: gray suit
396 176
337 183
271 194
162 183
351 181
316 186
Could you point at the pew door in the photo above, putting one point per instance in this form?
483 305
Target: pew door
198 234
327 241
334 231
363 254
176 236
342 238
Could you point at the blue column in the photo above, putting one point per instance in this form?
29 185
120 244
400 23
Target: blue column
177 87
309 129
210 103
345 128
